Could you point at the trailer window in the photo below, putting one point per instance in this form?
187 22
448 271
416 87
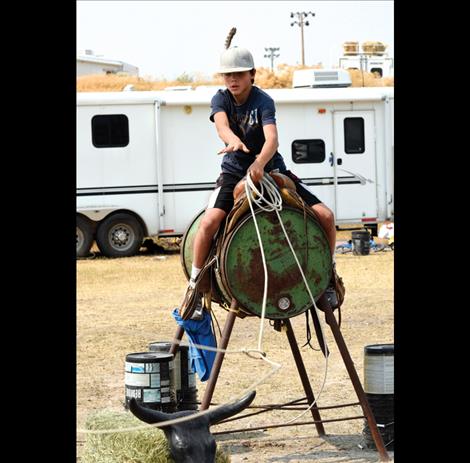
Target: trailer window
110 130
354 135
308 151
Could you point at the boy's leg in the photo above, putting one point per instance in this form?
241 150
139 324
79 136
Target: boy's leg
220 204
327 221
325 214
208 227
191 305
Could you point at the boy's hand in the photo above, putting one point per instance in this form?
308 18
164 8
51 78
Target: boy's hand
256 171
234 146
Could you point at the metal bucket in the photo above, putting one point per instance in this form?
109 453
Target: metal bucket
185 378
240 271
360 242
149 378
379 389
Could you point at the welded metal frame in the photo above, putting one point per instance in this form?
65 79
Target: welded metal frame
324 305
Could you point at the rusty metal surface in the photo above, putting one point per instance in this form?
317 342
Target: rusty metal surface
242 267
240 273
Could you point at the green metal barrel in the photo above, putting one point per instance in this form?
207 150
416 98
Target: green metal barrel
186 253
241 273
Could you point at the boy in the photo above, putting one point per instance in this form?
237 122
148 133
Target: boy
244 117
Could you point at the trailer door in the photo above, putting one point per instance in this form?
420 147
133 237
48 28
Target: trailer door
354 166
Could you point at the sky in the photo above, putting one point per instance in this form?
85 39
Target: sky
165 39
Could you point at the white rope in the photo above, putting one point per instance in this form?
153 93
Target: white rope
270 196
274 203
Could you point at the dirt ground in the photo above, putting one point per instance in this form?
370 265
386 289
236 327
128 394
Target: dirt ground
124 304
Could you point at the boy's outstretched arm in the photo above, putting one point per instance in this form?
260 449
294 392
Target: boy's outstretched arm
225 133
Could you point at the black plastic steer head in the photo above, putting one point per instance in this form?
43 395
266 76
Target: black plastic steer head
191 441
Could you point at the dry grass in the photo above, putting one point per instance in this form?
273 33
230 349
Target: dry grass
124 304
282 78
369 79
144 445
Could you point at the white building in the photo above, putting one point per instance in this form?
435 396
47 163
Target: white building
88 63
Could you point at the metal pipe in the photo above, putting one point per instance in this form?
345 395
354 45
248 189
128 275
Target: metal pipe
376 436
178 336
304 378
289 424
269 408
229 322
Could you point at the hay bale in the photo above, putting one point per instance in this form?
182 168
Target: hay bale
351 48
374 48
147 445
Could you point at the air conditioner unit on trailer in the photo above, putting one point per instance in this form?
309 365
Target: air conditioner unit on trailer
321 78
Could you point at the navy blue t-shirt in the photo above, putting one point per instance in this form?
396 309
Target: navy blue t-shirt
246 122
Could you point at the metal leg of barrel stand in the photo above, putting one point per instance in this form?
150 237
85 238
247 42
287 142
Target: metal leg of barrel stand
178 336
331 320
229 322
303 376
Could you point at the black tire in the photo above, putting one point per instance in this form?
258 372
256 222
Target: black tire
119 235
84 236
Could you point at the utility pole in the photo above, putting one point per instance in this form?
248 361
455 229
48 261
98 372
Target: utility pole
271 55
300 21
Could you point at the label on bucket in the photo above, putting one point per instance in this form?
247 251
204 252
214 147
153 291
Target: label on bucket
137 379
151 395
142 367
135 367
378 374
154 380
152 367
136 393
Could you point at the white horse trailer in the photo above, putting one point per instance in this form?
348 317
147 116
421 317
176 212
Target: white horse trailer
147 162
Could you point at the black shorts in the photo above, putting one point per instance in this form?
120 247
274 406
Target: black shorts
222 196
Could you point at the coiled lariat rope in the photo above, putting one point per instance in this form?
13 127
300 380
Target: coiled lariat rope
273 202
268 199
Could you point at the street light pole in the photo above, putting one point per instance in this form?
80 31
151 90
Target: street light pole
271 55
300 21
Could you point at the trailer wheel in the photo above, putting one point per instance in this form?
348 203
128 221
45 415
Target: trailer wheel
119 235
84 236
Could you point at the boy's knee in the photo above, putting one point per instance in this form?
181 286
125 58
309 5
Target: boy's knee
326 215
210 224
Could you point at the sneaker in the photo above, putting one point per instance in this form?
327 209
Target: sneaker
198 310
191 307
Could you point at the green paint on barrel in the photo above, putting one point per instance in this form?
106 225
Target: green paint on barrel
187 243
241 273
287 295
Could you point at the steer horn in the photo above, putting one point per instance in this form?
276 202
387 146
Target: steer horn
214 416
146 414
226 411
